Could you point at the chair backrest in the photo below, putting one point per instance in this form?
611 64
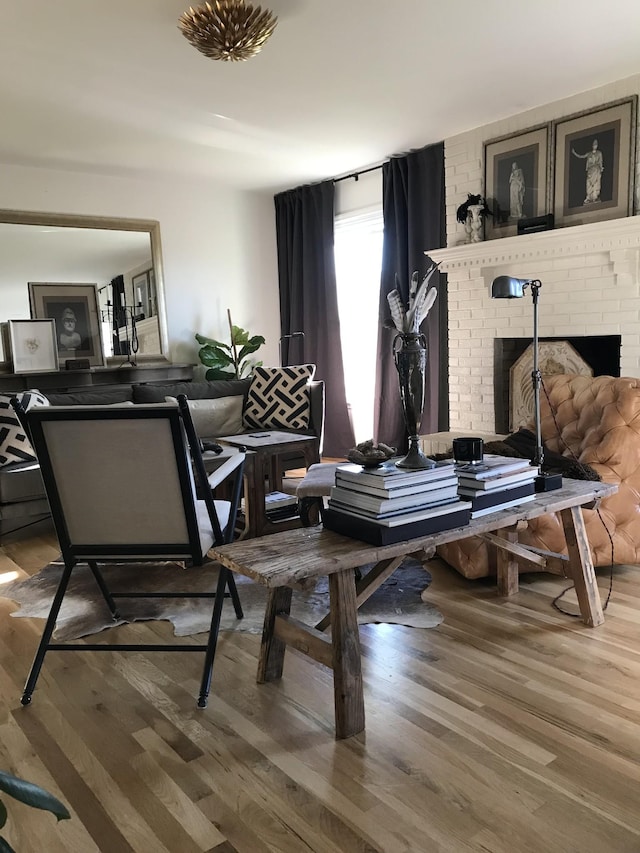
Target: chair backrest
120 482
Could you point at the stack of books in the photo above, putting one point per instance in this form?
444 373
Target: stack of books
277 505
387 504
498 482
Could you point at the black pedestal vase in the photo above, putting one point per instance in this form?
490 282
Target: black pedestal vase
410 356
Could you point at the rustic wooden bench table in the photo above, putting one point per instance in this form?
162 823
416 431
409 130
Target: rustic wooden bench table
297 558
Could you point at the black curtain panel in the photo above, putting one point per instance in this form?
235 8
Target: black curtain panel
414 222
309 302
119 318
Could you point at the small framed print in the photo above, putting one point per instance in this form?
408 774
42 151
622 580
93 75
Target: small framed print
594 161
144 294
74 308
516 179
33 346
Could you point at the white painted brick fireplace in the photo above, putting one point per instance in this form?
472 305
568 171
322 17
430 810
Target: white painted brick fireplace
590 278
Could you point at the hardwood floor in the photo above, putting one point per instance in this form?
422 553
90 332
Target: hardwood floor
510 727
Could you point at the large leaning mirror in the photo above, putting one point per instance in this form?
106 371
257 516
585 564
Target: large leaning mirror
121 257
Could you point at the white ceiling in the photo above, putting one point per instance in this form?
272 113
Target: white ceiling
113 86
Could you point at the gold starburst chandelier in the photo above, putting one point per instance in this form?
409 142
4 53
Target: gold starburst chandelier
231 30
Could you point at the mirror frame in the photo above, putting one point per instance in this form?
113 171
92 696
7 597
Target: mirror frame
109 223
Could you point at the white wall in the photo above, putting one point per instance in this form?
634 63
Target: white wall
363 194
218 245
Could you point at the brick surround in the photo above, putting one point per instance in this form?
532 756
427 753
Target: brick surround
590 278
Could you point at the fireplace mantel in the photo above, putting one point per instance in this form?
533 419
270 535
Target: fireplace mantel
591 287
619 238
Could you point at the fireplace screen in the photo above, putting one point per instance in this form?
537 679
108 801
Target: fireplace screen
553 357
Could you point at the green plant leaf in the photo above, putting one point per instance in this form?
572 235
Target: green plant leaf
251 346
238 335
3 814
216 373
32 795
210 341
220 357
214 357
5 847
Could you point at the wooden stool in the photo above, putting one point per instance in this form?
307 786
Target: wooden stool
314 486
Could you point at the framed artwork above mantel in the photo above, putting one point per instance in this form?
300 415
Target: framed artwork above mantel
516 179
594 164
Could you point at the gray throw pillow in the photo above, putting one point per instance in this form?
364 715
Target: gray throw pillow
213 418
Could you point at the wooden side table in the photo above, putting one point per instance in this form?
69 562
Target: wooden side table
263 467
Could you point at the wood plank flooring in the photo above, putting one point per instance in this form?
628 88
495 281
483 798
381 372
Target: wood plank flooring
508 728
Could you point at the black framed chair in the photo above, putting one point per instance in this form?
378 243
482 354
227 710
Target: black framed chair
121 485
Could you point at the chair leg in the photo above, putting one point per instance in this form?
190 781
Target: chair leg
233 592
310 510
205 686
115 615
46 635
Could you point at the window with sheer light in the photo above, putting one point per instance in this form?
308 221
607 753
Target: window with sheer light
358 258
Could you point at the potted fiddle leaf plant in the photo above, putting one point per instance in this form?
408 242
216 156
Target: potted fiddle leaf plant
229 361
31 795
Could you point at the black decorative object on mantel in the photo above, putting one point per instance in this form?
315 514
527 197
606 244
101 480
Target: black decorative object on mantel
535 224
471 213
410 356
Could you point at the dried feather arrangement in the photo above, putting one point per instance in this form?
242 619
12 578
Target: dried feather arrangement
421 299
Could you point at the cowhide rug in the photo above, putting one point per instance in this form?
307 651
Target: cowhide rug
399 600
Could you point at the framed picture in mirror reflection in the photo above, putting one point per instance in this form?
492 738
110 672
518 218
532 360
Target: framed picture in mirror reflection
33 347
74 308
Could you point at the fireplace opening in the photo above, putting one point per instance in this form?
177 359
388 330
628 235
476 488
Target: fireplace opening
600 352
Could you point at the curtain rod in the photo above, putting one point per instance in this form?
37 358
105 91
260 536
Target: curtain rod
356 175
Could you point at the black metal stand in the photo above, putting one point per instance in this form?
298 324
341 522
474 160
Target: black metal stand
543 482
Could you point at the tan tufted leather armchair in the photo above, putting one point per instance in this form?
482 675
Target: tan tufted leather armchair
596 420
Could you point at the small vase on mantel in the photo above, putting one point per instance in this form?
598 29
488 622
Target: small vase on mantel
471 214
476 223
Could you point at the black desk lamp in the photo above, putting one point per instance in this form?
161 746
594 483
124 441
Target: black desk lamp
506 287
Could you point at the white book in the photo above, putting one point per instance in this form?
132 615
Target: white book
407 495
399 491
501 481
477 513
275 500
407 517
387 512
492 466
389 475
382 505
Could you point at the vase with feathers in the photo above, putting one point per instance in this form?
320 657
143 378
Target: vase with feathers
410 356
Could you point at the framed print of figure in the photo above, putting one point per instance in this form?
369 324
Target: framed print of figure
594 164
74 307
516 179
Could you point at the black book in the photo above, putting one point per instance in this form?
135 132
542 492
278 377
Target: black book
376 534
484 500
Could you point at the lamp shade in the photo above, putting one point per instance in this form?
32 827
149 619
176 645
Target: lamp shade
506 287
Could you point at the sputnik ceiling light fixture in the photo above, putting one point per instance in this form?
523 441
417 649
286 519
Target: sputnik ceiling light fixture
230 30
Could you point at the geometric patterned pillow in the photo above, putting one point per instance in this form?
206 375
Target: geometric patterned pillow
14 444
278 398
